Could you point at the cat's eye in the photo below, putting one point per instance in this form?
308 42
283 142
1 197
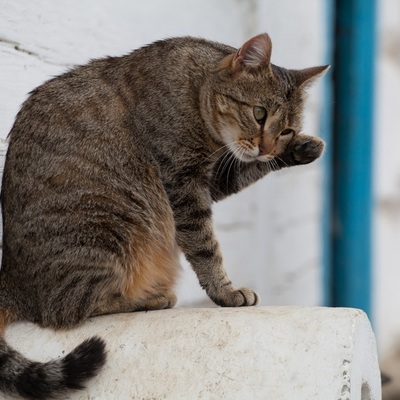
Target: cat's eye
287 131
260 114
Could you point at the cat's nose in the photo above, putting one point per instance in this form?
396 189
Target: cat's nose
262 150
266 147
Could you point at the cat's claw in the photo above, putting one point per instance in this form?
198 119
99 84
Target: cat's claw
242 297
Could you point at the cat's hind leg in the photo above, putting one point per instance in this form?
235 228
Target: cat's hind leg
119 304
148 274
74 300
159 302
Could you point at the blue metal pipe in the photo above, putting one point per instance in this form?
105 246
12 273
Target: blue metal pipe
352 153
326 134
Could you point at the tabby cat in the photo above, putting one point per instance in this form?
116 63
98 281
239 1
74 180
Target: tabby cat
111 171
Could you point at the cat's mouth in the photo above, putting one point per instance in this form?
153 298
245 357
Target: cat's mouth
247 155
251 158
265 157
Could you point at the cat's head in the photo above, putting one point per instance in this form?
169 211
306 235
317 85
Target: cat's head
256 107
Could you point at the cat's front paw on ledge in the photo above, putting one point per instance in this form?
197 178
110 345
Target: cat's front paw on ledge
231 297
305 149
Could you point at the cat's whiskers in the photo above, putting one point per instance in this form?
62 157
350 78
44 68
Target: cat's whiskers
268 165
216 151
282 161
225 157
239 162
232 161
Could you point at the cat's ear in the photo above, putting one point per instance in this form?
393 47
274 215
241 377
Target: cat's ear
306 76
254 54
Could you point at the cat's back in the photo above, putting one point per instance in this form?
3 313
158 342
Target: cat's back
113 86
94 110
86 120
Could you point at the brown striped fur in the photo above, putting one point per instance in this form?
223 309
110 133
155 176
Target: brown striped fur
111 172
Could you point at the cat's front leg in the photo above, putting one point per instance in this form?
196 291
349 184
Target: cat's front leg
231 175
195 236
302 149
234 175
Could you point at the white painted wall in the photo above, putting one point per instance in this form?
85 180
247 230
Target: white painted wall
387 180
269 233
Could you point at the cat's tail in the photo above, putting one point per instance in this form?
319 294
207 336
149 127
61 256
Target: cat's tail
51 380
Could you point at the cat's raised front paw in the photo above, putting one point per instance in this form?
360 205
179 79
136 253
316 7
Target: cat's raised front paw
305 149
237 298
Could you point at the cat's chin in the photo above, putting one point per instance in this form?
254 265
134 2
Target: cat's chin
249 158
264 158
246 158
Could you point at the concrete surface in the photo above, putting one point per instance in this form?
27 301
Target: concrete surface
279 353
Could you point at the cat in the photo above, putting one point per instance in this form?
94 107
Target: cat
111 172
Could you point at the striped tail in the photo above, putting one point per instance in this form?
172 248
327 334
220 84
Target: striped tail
51 380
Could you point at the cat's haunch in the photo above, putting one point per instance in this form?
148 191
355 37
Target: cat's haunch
111 172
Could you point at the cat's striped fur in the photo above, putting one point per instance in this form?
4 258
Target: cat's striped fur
112 169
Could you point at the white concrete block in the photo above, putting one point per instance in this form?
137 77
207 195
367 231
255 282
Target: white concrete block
277 353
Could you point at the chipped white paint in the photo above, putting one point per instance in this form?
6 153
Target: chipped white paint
278 353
